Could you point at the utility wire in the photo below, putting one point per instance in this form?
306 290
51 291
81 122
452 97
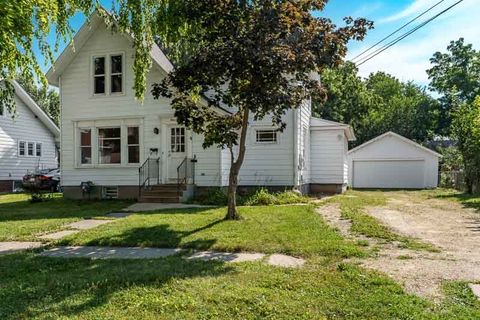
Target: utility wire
400 38
399 29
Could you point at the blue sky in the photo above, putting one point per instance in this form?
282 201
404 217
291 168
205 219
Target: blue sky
409 59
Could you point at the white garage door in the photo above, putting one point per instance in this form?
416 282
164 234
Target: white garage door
401 174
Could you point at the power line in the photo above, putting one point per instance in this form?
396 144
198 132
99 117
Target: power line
401 28
400 38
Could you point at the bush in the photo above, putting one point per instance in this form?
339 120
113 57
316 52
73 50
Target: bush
261 197
264 197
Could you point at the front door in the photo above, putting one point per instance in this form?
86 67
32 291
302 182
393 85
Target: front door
176 153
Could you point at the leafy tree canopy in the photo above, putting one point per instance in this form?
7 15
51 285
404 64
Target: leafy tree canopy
256 58
46 98
456 76
377 104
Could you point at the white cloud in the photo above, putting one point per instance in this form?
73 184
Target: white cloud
409 59
416 7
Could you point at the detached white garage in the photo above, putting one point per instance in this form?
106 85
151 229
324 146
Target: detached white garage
391 161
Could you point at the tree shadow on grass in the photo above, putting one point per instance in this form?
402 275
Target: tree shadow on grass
33 287
160 236
58 208
471 201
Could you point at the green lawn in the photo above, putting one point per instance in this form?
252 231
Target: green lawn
173 288
21 220
295 229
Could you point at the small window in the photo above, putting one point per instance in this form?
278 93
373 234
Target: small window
30 148
266 136
38 149
133 145
85 146
177 139
116 74
21 148
2 111
99 75
109 144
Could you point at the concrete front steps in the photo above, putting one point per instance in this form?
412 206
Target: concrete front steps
162 193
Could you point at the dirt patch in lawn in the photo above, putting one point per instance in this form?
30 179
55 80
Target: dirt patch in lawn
447 225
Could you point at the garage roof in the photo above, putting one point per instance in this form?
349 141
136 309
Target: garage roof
393 134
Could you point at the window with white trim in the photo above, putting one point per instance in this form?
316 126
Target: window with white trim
38 149
109 145
266 136
21 148
99 75
133 145
177 139
2 111
30 147
85 146
116 73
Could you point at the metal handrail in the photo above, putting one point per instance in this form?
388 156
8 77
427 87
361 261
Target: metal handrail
185 172
144 173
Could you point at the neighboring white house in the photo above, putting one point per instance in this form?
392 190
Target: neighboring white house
119 144
27 140
393 161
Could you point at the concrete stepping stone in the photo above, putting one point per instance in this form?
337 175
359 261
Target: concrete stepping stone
108 252
475 289
87 224
225 256
119 214
285 261
58 235
14 246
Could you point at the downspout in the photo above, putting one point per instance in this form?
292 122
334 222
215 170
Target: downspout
295 150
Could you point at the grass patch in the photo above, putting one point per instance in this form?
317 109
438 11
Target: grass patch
352 206
467 200
296 230
172 288
21 220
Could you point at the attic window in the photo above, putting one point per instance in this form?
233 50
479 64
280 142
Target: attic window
99 75
266 136
116 76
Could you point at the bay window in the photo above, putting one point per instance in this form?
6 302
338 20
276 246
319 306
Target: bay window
109 145
133 145
85 146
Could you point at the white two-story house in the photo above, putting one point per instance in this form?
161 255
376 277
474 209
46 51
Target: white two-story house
27 141
122 146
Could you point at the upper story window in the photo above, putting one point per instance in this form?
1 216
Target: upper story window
99 75
108 74
266 136
2 111
116 75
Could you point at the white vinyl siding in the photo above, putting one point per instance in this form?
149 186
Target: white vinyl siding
328 156
24 128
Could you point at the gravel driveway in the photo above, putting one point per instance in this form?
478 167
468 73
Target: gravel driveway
449 226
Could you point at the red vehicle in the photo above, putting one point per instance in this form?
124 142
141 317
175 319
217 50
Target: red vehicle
47 179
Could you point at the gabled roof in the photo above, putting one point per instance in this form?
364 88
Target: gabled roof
79 40
322 124
36 110
393 134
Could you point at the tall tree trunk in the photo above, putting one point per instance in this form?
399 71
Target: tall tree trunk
235 166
